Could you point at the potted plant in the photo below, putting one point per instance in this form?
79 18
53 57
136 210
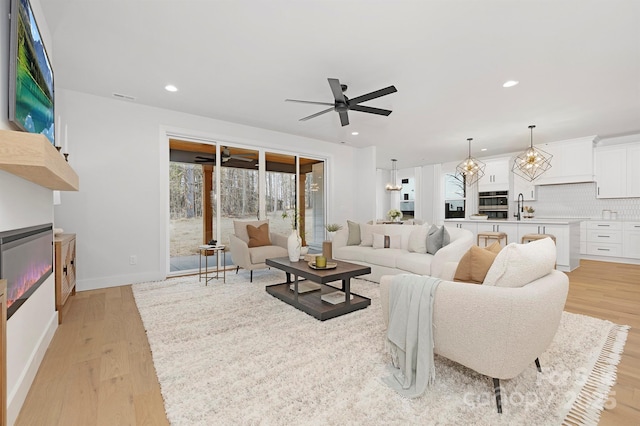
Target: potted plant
528 211
394 214
332 228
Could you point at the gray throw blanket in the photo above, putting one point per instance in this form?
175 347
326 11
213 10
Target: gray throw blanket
410 334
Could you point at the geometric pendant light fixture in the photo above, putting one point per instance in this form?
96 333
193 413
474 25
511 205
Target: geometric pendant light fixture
471 168
393 185
533 162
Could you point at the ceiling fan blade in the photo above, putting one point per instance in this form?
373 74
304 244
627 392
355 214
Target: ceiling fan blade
317 114
241 158
308 102
202 159
373 95
370 110
344 118
336 88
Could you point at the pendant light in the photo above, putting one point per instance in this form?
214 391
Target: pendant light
533 162
472 169
393 185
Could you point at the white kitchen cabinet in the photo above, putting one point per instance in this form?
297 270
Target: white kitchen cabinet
617 172
524 187
604 238
496 175
631 240
572 161
633 171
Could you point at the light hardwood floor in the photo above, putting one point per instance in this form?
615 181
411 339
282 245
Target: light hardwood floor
98 368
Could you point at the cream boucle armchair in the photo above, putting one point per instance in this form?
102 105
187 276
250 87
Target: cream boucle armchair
496 331
251 258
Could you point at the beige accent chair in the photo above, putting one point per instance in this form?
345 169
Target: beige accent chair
496 331
251 258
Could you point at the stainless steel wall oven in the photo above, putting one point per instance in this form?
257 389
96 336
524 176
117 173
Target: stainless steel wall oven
494 204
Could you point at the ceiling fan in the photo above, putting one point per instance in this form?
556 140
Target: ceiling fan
342 104
226 156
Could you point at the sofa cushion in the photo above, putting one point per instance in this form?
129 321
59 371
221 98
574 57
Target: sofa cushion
258 236
475 263
262 253
437 238
240 228
519 264
386 241
366 234
415 263
354 234
353 253
387 257
418 239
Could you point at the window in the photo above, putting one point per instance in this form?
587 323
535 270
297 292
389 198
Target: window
454 195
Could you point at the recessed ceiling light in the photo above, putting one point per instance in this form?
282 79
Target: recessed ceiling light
170 88
510 83
355 133
483 149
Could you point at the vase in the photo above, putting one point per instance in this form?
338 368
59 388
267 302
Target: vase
330 235
294 243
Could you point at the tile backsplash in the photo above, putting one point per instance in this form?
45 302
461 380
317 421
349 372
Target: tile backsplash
579 200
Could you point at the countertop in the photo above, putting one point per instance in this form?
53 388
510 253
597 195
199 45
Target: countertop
534 221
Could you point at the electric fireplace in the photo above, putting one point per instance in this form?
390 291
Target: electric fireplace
26 261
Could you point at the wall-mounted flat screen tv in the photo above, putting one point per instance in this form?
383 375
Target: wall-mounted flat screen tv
31 90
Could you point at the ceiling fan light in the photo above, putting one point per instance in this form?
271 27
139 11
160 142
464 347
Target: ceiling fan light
471 168
533 162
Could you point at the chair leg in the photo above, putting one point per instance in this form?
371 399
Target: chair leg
538 365
496 389
237 269
251 276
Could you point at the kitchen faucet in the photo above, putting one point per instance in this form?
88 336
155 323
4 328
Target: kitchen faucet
520 206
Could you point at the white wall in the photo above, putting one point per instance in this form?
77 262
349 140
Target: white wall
120 151
22 204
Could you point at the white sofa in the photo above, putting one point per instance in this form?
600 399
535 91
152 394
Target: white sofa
392 261
496 330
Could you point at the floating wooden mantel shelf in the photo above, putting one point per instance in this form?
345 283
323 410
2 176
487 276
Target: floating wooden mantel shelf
32 157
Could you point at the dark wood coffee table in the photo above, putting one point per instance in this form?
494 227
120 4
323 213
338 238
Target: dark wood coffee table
311 301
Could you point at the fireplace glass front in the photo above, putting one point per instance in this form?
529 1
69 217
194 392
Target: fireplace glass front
26 261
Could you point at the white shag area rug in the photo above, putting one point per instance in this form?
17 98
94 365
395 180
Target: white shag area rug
230 354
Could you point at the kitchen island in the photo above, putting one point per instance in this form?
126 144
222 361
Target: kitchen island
566 231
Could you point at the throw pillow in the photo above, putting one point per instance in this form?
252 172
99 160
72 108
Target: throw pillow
518 264
366 235
437 238
240 228
386 241
258 236
354 234
418 239
475 263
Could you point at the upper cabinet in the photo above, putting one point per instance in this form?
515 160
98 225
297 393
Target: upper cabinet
496 175
617 174
524 187
572 161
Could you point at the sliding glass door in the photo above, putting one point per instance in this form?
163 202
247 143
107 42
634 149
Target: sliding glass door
203 209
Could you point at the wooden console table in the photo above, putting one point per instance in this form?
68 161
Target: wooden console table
65 264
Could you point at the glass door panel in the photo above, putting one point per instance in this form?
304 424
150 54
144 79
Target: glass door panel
280 192
312 201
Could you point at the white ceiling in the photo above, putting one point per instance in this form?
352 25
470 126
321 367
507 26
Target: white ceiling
578 63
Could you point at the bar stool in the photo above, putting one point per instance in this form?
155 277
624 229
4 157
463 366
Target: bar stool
527 238
490 236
